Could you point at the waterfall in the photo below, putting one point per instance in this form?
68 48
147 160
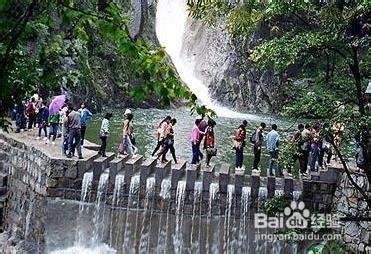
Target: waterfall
86 186
278 193
261 246
147 220
227 218
99 213
119 182
133 191
296 195
196 204
213 190
263 193
180 195
244 217
165 189
87 181
294 248
171 21
162 231
116 200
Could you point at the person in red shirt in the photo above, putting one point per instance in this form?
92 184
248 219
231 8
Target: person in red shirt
239 143
209 143
257 147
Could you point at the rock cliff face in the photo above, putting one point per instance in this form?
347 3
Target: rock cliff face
222 64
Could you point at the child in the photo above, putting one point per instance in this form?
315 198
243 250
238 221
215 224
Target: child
103 134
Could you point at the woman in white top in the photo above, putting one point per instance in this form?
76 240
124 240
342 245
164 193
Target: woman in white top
103 134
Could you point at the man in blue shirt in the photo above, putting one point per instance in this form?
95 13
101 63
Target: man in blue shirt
85 117
273 142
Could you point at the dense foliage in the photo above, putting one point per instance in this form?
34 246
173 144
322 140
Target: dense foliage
79 46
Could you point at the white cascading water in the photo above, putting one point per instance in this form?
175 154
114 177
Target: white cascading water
171 20
196 204
117 190
180 196
263 193
227 218
119 183
133 191
296 195
82 237
244 217
278 193
213 191
87 182
165 189
147 219
99 212
162 229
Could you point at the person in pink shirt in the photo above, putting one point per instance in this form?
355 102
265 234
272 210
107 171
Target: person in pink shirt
195 141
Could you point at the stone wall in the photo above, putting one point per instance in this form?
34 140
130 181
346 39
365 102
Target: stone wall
350 205
28 176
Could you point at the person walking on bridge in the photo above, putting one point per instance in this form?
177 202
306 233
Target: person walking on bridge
74 132
160 133
168 142
195 142
43 120
86 115
239 143
209 143
273 142
104 133
257 145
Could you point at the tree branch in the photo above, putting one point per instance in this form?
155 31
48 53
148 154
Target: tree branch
348 173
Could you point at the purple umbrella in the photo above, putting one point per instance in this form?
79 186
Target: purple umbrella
56 104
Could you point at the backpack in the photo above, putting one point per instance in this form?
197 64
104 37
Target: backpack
253 137
30 108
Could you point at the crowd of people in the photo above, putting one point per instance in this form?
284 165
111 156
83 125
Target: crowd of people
66 123
70 125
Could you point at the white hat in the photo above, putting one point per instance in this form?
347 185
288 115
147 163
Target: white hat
127 112
199 118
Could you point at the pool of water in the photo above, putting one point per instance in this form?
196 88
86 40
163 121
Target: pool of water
147 120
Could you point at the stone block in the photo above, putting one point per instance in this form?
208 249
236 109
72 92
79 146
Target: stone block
51 182
224 178
191 176
161 171
146 169
255 185
84 166
114 167
71 172
288 187
98 168
181 165
271 186
207 177
134 163
239 182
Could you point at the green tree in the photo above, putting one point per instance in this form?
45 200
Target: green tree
36 36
